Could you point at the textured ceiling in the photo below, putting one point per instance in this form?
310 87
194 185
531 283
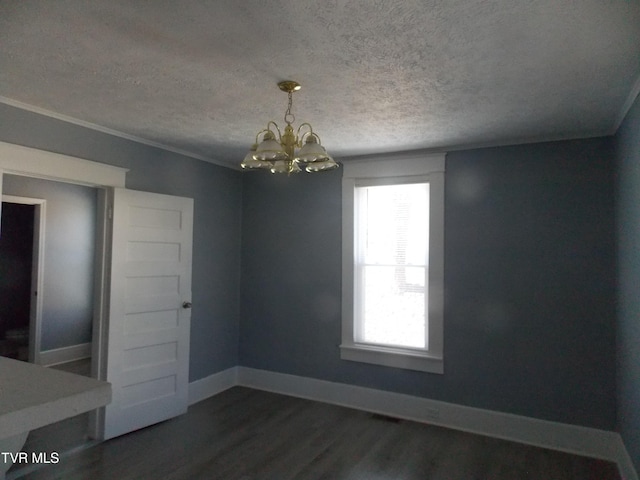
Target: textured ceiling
377 76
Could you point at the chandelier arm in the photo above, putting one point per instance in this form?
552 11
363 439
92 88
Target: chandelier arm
300 128
310 133
271 122
264 130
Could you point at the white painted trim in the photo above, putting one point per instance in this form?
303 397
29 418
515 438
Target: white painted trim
37 283
625 464
212 385
37 272
101 266
65 354
110 131
394 169
22 200
574 439
31 162
626 106
394 165
404 358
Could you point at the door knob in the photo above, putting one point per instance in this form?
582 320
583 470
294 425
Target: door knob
186 304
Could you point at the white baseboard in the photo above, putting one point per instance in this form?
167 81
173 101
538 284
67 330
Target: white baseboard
590 442
212 385
55 356
574 439
625 464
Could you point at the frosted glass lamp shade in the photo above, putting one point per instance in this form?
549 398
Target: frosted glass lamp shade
250 163
312 151
294 168
280 166
270 149
327 163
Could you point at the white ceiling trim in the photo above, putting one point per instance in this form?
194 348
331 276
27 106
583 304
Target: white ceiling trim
348 158
469 146
110 131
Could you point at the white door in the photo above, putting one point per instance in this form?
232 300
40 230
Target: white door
147 355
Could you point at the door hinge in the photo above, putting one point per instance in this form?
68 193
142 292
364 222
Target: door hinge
110 212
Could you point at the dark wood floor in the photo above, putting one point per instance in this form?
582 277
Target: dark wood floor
246 434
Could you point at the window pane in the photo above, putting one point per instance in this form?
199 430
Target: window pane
394 224
393 300
392 249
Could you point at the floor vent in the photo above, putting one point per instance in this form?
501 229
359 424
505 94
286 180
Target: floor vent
385 418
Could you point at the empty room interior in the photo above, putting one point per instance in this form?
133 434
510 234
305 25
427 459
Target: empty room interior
345 239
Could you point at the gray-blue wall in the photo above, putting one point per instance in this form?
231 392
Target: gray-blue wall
291 275
529 278
628 153
529 270
67 296
217 194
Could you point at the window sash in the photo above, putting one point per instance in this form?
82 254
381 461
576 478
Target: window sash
377 317
388 312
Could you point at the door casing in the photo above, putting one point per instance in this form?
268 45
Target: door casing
31 162
37 271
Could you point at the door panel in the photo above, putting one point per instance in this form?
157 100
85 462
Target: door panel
148 329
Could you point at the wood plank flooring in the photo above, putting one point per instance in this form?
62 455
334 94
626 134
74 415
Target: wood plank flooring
245 434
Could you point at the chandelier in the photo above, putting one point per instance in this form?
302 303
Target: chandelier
287 153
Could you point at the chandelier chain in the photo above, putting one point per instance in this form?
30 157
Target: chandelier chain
288 151
288 116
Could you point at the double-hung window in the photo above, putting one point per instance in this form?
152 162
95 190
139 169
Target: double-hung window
393 242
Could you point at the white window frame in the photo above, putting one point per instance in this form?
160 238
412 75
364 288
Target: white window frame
396 170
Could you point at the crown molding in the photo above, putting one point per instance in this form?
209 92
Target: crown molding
626 106
109 131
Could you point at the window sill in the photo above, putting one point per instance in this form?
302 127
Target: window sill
393 357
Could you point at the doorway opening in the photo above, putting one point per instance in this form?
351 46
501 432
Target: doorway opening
48 300
60 295
16 249
21 256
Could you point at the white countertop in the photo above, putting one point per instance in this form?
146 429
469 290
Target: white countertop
32 396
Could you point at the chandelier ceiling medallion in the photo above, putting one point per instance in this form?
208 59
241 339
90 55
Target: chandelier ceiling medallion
287 153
